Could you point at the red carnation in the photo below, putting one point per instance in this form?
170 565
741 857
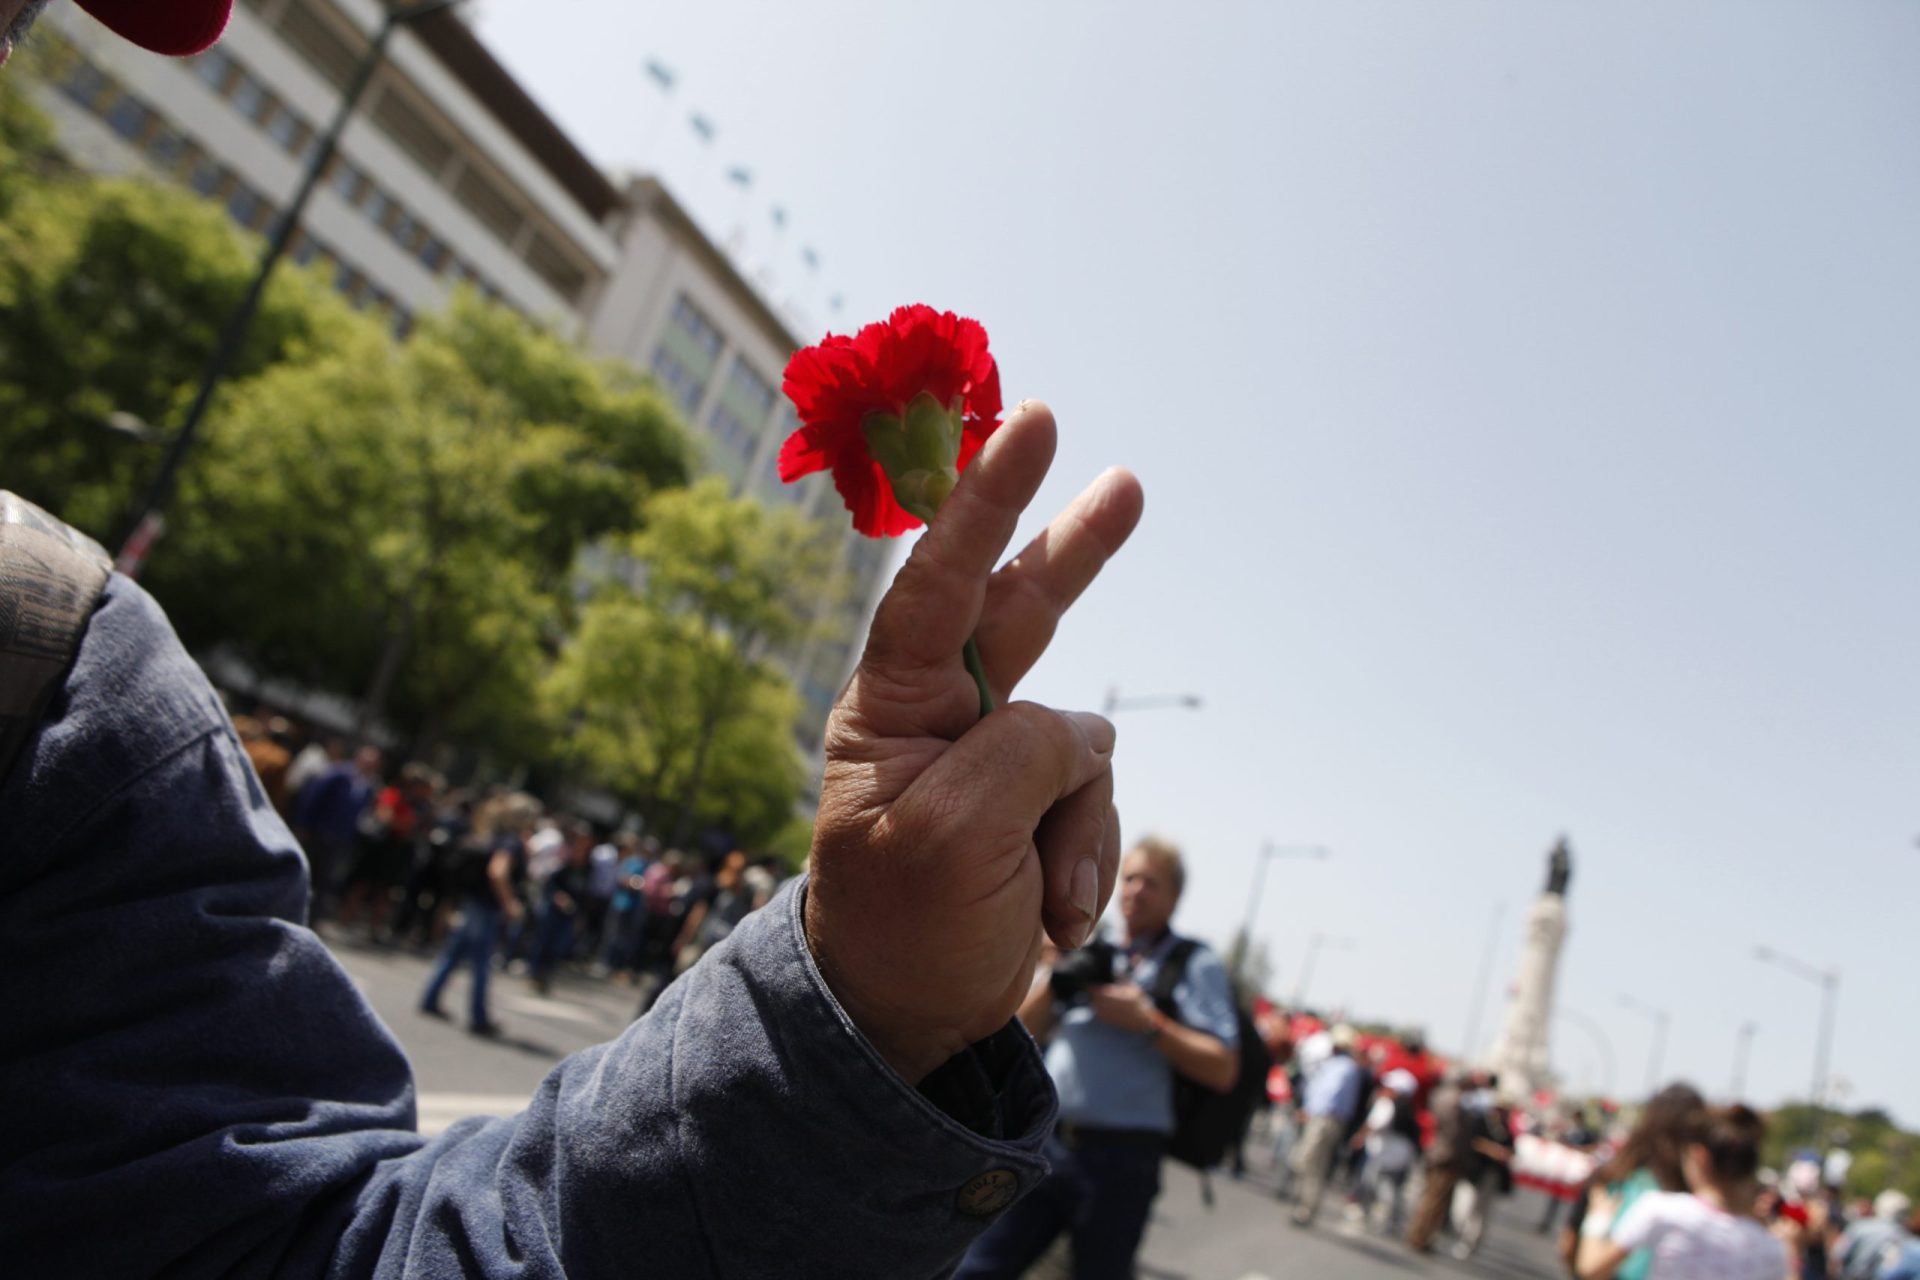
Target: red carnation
896 411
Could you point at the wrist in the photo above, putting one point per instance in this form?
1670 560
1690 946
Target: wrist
1157 1024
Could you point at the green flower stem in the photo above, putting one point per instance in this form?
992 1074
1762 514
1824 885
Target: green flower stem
976 669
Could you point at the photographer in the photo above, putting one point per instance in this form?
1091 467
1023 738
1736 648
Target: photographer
1112 1051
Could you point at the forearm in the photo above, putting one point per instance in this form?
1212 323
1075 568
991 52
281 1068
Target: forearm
660 1151
1196 1055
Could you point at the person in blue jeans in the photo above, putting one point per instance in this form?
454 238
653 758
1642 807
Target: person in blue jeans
484 873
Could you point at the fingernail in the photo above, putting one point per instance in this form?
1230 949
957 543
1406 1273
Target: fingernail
1099 730
1083 891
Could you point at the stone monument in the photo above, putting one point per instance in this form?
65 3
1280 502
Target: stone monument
1520 1055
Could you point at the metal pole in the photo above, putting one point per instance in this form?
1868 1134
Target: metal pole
1742 1048
1306 972
145 524
1471 1045
1253 909
1829 993
1600 1042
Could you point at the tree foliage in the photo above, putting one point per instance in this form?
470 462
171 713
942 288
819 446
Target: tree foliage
668 694
404 523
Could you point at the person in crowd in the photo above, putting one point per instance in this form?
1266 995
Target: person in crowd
1489 1169
389 827
1647 1162
603 878
1903 1262
488 865
1872 1241
329 813
1710 1229
1112 1052
1334 1092
1580 1135
1390 1135
427 897
561 905
713 908
309 762
665 888
627 909
268 757
1448 1157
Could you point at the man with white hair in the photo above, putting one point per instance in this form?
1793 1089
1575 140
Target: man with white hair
1872 1245
1332 1099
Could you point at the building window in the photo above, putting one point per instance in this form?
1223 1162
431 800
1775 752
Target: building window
484 200
250 98
167 147
417 136
248 207
129 117
556 268
433 254
346 182
207 177
740 412
214 68
287 129
688 351
688 320
84 84
319 42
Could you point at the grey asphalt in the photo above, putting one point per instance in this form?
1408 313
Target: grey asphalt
1244 1236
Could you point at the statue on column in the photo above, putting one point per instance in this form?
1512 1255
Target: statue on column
1520 1056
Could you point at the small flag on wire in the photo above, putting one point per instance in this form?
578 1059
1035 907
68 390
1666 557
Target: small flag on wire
780 217
811 258
740 176
702 126
660 73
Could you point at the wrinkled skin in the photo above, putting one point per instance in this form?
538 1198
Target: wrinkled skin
948 846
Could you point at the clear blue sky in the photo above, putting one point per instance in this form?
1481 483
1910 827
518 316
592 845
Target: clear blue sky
1528 402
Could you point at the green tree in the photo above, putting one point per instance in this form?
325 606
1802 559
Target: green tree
111 297
669 696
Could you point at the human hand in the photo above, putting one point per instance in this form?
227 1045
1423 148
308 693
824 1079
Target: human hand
1124 1005
947 845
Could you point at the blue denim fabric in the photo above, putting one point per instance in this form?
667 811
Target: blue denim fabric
190 1085
471 944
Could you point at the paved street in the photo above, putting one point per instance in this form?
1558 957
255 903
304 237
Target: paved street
1244 1237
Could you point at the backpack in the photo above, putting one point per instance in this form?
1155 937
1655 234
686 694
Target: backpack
50 579
1206 1124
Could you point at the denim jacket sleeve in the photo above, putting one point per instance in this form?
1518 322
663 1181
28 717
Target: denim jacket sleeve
190 1086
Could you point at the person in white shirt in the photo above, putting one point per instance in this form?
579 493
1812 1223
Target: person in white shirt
1707 1233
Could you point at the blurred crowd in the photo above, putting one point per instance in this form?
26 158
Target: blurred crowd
492 877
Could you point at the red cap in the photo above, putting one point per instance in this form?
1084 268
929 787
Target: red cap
173 27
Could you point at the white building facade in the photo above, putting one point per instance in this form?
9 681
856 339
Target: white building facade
448 172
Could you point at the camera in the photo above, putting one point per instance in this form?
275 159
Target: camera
1094 965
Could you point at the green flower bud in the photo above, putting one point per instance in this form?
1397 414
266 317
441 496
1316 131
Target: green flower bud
933 433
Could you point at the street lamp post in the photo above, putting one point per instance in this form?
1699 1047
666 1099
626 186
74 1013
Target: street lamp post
1315 945
1828 980
1742 1047
1267 850
1471 1045
146 523
1600 1041
1114 702
1659 1049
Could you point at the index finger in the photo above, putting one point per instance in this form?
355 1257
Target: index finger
935 602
